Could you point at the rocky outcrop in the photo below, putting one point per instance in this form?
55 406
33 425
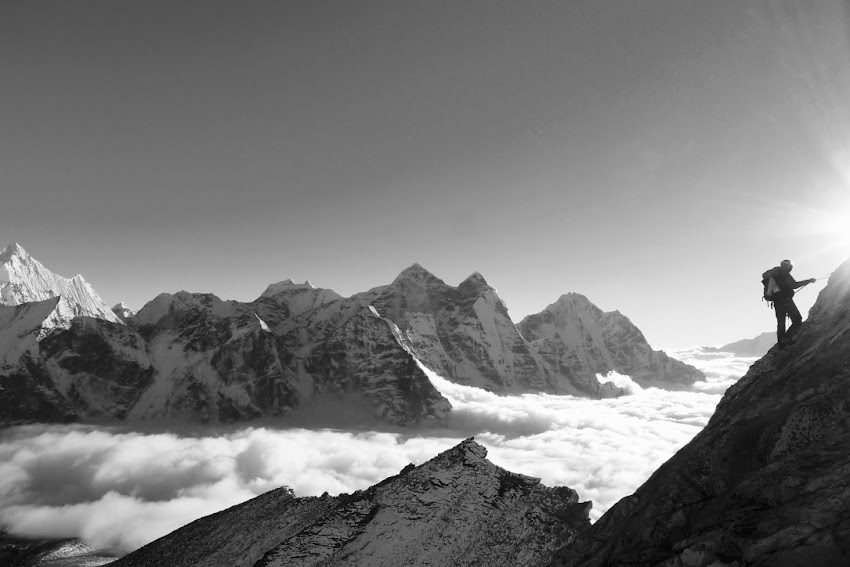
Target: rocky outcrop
456 509
573 335
766 482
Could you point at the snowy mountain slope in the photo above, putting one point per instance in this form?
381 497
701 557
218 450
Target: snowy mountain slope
573 333
26 391
456 509
24 279
21 326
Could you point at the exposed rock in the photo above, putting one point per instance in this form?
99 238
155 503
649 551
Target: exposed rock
767 482
456 509
573 334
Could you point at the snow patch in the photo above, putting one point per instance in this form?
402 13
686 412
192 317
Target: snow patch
263 325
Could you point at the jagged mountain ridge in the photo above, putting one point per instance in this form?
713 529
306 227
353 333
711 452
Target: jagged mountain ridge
23 279
765 483
456 509
197 357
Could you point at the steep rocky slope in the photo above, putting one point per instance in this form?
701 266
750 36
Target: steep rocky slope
576 336
456 509
767 482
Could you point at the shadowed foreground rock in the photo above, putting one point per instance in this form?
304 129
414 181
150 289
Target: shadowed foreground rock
767 482
456 509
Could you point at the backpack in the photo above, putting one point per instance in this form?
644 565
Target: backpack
770 287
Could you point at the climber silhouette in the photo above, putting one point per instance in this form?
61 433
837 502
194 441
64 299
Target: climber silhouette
784 302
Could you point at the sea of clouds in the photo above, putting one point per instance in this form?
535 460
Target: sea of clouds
119 488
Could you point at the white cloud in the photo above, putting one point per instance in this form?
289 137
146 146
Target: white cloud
121 488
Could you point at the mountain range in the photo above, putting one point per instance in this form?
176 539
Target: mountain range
193 356
756 346
764 484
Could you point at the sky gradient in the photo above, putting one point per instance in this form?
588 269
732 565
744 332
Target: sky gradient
655 156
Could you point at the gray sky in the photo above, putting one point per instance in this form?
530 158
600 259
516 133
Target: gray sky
656 156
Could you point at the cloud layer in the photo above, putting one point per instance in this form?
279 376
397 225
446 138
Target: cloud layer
120 488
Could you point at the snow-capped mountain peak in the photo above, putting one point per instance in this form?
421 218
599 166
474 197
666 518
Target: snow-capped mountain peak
13 249
23 279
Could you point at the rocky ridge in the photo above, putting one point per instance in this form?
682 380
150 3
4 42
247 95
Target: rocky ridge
766 482
456 509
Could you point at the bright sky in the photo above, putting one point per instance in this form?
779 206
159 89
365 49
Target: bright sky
656 156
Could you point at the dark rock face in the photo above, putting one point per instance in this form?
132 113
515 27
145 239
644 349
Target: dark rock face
456 509
766 482
574 335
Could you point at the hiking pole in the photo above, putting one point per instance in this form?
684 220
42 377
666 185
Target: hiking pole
816 279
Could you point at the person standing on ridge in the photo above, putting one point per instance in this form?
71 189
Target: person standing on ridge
783 301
